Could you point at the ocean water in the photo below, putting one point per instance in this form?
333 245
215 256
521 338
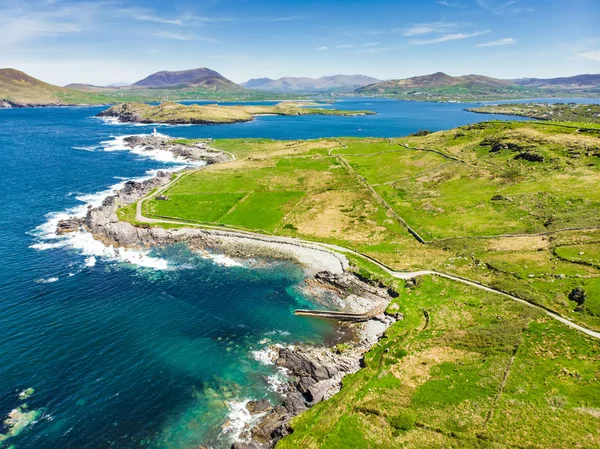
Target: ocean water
129 349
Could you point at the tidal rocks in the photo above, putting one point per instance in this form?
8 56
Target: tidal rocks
260 406
317 372
69 225
199 151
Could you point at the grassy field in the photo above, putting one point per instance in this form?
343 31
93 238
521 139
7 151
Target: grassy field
481 372
465 191
176 113
465 368
556 112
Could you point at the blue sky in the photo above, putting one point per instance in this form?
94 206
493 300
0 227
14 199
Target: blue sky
112 41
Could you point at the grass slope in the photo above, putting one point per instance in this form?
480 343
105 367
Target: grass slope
480 372
464 368
487 213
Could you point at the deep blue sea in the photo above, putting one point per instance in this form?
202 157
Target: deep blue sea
128 349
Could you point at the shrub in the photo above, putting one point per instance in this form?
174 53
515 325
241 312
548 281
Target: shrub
421 132
403 421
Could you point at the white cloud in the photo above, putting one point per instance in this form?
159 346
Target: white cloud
287 19
498 43
426 28
592 55
349 46
503 7
184 37
156 19
449 4
25 23
449 37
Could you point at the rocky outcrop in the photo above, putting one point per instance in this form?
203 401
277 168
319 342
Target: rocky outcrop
198 151
124 112
530 156
316 373
69 225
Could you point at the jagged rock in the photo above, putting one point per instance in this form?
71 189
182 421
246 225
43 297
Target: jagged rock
260 406
578 295
500 198
69 225
530 156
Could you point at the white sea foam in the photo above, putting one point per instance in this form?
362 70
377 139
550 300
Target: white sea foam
115 121
46 281
221 259
239 419
278 382
118 144
266 356
84 242
90 148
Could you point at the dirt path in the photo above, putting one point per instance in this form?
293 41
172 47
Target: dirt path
339 249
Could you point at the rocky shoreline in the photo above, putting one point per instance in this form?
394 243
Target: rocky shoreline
315 373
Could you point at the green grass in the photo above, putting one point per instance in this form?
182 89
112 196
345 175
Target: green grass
263 210
585 254
441 386
203 208
296 189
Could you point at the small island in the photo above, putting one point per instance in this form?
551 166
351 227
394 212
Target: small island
589 113
177 114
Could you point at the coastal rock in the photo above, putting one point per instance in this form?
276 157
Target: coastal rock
69 225
199 151
260 406
317 372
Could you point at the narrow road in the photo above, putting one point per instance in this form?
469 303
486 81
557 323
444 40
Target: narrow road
339 249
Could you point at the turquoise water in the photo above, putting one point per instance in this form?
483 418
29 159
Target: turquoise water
129 349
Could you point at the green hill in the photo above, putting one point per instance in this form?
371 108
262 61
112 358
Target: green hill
442 87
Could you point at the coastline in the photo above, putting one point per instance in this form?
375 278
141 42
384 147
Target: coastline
312 373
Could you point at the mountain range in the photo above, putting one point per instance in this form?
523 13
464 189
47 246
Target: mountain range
571 82
20 89
303 84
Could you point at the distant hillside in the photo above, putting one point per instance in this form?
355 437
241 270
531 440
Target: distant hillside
89 87
18 89
571 82
438 79
199 78
296 84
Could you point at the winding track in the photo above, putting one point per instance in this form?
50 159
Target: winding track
339 249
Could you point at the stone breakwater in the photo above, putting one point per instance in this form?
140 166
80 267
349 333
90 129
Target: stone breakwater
314 373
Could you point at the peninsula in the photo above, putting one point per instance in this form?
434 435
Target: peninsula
493 303
176 113
585 113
